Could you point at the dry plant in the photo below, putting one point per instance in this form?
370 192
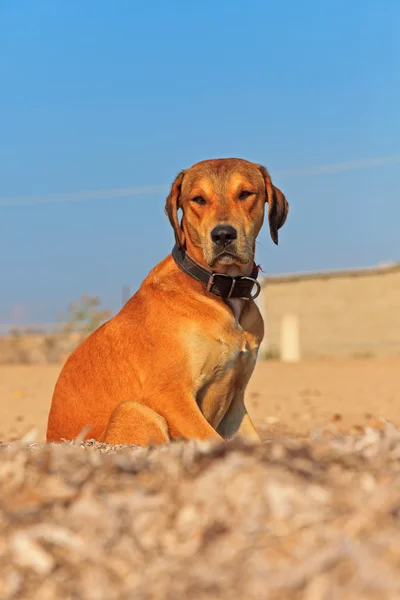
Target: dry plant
85 315
33 346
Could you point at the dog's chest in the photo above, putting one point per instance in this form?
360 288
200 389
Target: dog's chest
227 359
222 354
225 350
242 359
242 344
226 366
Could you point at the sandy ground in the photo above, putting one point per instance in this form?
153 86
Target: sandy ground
281 397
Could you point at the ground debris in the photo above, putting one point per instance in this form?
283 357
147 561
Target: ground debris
310 519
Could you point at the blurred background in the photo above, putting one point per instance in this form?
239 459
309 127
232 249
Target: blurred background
102 104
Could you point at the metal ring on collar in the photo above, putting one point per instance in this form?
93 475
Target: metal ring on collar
258 290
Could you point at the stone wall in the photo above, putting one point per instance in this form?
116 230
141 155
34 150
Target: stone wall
348 313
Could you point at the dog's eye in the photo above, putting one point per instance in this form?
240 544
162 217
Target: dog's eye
245 194
199 200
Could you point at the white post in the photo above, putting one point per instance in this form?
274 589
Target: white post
290 338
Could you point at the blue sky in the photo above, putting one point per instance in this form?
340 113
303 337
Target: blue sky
103 96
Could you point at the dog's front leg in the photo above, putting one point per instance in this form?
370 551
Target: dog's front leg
184 417
237 421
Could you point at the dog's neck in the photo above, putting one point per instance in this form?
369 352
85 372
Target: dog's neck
235 304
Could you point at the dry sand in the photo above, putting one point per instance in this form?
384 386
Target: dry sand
281 397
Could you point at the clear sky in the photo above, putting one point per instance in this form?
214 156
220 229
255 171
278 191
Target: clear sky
110 97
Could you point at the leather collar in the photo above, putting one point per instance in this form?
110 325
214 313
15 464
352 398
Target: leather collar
219 284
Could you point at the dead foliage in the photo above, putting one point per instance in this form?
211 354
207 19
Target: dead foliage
298 519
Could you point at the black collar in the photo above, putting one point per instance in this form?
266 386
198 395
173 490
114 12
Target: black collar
219 284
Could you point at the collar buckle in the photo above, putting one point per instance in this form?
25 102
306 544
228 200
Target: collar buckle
211 282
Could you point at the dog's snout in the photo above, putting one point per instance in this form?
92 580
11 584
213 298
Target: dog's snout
222 235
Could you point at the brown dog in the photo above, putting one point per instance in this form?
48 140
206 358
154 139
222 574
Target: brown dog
175 361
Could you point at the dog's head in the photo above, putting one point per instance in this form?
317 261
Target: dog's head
223 202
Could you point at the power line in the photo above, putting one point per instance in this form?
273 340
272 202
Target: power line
109 194
355 165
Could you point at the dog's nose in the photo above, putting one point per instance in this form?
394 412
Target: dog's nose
222 235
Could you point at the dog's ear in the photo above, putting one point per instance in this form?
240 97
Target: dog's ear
171 209
278 206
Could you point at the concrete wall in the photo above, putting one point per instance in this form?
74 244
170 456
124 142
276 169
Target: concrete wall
348 313
353 313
